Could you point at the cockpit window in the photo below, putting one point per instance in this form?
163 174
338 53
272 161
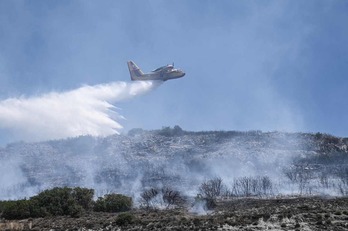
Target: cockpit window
160 68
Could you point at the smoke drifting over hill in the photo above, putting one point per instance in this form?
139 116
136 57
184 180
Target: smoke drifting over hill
294 163
86 110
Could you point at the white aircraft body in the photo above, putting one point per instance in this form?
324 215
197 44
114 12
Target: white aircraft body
162 73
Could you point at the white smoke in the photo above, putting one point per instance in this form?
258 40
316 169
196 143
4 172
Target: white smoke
84 111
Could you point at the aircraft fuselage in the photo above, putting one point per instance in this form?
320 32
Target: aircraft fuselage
163 73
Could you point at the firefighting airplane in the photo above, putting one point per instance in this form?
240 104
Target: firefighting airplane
162 73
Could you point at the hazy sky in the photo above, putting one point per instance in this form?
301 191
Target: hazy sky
250 65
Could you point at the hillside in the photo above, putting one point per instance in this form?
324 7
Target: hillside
167 157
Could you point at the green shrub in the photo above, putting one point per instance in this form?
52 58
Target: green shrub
113 203
76 210
51 202
16 209
62 201
100 205
36 210
55 201
124 219
83 197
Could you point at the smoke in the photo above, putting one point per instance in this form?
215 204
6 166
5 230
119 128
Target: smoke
88 110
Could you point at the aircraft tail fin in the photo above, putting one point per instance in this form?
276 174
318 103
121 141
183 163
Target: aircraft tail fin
134 70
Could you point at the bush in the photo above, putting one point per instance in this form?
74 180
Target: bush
16 209
83 197
62 201
55 201
124 219
52 202
99 205
113 203
76 210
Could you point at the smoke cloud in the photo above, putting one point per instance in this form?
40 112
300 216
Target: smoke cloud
88 110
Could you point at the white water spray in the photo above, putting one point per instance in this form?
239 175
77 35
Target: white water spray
84 111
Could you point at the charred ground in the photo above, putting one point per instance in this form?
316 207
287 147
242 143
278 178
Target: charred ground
312 213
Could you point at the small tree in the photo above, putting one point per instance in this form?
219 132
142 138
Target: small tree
147 196
342 185
243 186
301 176
172 197
266 186
167 197
210 190
252 186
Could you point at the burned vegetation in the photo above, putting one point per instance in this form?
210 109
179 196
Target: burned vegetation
178 180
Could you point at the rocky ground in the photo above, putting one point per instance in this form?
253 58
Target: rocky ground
312 213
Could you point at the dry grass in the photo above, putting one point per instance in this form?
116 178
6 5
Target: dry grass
243 214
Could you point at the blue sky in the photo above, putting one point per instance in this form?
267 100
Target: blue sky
250 65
